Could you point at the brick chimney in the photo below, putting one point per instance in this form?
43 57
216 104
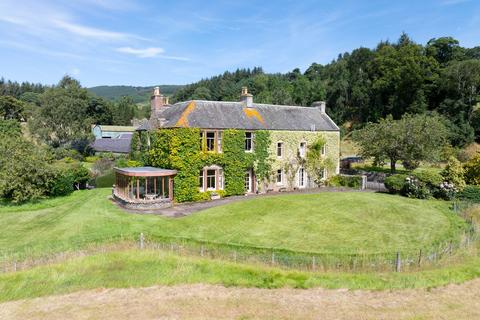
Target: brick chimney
321 105
246 98
158 100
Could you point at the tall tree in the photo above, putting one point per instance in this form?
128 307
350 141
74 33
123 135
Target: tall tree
63 115
411 139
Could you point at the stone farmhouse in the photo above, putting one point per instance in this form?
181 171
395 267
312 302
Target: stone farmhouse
291 129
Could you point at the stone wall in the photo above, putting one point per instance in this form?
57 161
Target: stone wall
291 143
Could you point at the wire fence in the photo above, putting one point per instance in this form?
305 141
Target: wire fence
401 260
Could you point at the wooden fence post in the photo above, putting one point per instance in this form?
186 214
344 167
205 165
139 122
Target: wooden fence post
273 257
201 250
142 241
398 263
314 265
235 255
420 258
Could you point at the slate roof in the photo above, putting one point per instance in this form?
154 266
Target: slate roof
235 115
110 128
112 145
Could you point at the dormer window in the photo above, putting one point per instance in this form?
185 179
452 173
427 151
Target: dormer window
302 150
248 141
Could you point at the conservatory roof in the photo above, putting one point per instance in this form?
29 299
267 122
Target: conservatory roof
145 172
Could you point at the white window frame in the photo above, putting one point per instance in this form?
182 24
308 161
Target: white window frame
249 174
218 179
324 150
299 176
280 146
279 183
302 151
251 141
207 132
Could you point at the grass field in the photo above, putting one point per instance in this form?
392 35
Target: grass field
325 222
147 268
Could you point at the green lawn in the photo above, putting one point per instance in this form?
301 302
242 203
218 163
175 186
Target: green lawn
147 268
325 222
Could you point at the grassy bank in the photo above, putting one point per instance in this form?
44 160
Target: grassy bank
147 268
325 222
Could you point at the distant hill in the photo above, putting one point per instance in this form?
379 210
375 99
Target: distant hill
138 94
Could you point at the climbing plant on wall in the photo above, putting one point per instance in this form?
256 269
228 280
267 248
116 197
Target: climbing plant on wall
181 149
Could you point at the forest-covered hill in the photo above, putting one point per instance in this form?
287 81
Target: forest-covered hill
138 94
366 84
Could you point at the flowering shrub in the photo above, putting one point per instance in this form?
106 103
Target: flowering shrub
415 188
447 191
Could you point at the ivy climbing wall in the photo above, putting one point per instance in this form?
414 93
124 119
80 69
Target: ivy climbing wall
290 161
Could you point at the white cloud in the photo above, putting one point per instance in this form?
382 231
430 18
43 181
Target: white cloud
89 32
142 53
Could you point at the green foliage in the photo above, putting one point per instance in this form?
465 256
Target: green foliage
91 159
316 163
11 108
454 173
138 94
470 193
395 183
133 163
124 111
63 116
472 170
25 172
62 184
412 139
10 128
179 149
354 182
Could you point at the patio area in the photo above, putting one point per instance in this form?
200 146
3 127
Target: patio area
143 188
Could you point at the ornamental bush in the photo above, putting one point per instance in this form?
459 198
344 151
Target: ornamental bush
25 170
472 170
395 183
454 173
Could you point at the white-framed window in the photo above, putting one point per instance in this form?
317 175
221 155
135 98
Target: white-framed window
248 181
248 141
210 143
324 150
211 179
302 149
279 176
302 178
279 149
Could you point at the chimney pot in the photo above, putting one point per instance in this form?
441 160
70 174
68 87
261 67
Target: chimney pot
320 104
246 97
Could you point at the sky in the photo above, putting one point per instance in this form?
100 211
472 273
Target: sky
126 42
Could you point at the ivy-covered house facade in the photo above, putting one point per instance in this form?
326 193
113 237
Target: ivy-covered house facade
232 148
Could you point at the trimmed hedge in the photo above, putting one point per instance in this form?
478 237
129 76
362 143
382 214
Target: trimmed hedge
345 181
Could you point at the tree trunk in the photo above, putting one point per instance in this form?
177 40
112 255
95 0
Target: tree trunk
392 165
